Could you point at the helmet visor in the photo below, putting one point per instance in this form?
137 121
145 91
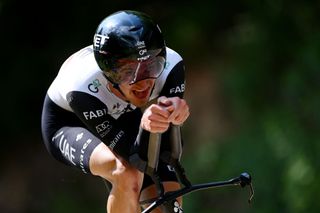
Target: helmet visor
127 71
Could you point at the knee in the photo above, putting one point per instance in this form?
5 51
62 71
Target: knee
122 176
127 179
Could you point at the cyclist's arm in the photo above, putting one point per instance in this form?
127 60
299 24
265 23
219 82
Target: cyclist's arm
175 82
172 94
94 114
173 88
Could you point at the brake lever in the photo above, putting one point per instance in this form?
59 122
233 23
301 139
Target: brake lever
251 193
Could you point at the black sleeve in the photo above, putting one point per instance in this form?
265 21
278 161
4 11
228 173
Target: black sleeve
94 114
173 87
175 83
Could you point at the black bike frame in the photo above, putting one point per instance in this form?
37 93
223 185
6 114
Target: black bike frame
173 159
243 180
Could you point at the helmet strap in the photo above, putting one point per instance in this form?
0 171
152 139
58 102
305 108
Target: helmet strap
117 87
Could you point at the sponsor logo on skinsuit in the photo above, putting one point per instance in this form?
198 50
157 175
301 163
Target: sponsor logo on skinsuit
95 114
177 89
94 86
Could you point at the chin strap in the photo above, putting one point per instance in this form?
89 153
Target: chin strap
115 85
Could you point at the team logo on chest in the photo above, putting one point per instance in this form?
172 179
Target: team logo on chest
94 86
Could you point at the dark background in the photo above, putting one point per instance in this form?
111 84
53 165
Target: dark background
252 85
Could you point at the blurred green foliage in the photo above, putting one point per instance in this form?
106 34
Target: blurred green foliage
271 81
260 60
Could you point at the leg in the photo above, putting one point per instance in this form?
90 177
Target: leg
70 143
151 192
170 183
126 181
77 147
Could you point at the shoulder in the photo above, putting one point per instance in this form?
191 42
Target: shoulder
173 61
79 65
79 72
172 58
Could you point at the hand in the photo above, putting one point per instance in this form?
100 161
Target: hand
155 119
178 108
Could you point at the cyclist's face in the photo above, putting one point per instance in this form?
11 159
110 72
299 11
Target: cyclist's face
138 93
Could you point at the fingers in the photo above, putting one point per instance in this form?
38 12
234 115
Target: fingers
155 119
164 101
179 111
158 117
160 112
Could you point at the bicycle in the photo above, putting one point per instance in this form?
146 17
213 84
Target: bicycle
172 158
168 199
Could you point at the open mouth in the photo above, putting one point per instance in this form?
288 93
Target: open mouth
141 94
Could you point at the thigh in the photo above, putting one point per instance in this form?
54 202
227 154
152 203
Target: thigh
74 146
108 165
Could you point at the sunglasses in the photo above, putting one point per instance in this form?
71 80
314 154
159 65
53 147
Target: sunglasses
128 71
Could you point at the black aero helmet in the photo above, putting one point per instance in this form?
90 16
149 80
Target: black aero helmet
129 47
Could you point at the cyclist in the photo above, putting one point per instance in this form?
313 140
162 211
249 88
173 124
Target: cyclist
105 95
